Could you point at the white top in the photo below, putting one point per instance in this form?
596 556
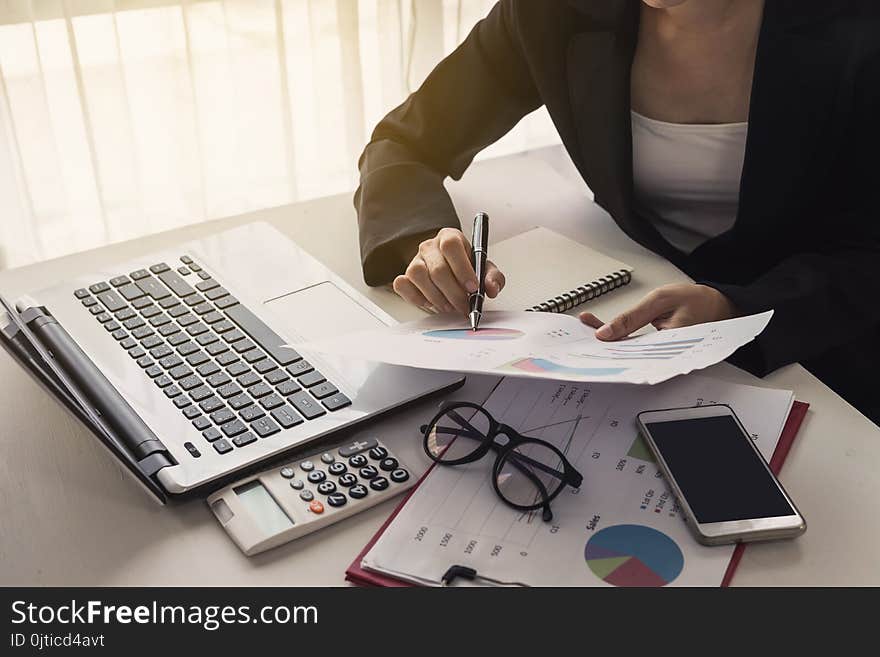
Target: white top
687 177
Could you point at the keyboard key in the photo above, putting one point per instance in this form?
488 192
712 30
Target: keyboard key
153 288
222 446
207 369
212 317
119 334
198 358
159 268
243 345
323 390
169 329
119 281
172 360
158 352
187 348
153 371
97 288
259 390
218 379
346 479
308 407
111 326
217 348
379 483
272 401
357 492
176 284
311 379
200 393
216 293
126 314
223 326
160 320
229 390
265 365
300 368
211 434
137 353
172 391
251 413
336 499
139 274
97 310
178 371
197 328
253 355
233 428
399 476
182 401
211 404
206 339
81 293
202 274
142 302
233 336
277 376
112 301
142 332
133 323
288 388
265 427
190 412
190 382
222 416
192 449
207 284
169 302
224 359
128 343
244 439
201 423
178 311
185 259
203 309
131 292
194 299
89 301
240 401
260 333
336 402
249 379
103 317
144 361
226 302
286 416
187 319
150 311
237 369
184 271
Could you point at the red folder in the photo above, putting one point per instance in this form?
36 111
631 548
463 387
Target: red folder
361 577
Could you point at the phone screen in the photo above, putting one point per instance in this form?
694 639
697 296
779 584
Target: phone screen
717 470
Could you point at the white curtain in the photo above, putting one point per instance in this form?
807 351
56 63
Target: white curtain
120 118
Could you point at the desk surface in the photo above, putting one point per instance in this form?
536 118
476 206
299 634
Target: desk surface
70 516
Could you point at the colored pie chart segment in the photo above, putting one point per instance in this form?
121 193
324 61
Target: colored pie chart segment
467 334
539 365
633 555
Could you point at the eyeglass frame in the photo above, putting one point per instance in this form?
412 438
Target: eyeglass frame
568 477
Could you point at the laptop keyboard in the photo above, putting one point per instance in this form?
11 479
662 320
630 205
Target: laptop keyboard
217 362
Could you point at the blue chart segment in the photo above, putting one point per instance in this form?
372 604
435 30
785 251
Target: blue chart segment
544 365
467 334
633 555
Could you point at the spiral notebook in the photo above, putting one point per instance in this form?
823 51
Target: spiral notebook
547 272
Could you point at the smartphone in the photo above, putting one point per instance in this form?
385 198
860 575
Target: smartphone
724 485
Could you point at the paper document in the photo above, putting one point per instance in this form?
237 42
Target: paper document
547 346
622 527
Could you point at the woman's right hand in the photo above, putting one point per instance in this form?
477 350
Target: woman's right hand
441 276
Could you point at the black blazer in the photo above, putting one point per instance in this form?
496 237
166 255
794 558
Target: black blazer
806 241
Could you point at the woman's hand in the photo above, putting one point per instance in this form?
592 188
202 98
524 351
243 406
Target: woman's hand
441 275
666 307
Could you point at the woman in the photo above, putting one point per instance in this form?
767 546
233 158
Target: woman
737 138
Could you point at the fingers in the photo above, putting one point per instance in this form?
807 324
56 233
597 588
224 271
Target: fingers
591 320
410 293
494 280
420 276
456 251
442 278
646 311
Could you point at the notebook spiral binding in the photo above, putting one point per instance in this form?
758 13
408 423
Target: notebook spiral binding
576 297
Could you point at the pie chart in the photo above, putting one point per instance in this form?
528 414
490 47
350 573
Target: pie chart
468 334
633 555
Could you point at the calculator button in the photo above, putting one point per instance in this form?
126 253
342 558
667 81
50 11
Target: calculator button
379 483
307 466
327 458
337 499
358 492
368 472
357 461
244 439
317 476
389 464
378 453
337 468
357 447
296 484
211 434
192 449
347 480
222 446
307 495
399 476
287 473
326 487
316 507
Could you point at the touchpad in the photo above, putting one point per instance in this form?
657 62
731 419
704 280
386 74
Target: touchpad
321 311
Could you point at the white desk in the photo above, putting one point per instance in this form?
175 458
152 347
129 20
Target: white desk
70 516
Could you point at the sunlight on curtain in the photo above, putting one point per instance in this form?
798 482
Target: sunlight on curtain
122 118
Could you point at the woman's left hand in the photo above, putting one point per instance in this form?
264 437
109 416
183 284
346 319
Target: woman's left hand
666 307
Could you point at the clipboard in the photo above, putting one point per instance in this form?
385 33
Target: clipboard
361 577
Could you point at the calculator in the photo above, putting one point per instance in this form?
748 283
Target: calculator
286 502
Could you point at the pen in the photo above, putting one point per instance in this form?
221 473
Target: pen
479 253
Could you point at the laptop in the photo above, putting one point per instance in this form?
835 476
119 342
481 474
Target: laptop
181 362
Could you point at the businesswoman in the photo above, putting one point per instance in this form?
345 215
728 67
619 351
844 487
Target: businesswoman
740 139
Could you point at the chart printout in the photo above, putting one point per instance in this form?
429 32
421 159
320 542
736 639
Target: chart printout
546 346
623 527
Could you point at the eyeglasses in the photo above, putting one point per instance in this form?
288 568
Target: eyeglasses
528 472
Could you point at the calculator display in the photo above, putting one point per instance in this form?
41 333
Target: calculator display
263 508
